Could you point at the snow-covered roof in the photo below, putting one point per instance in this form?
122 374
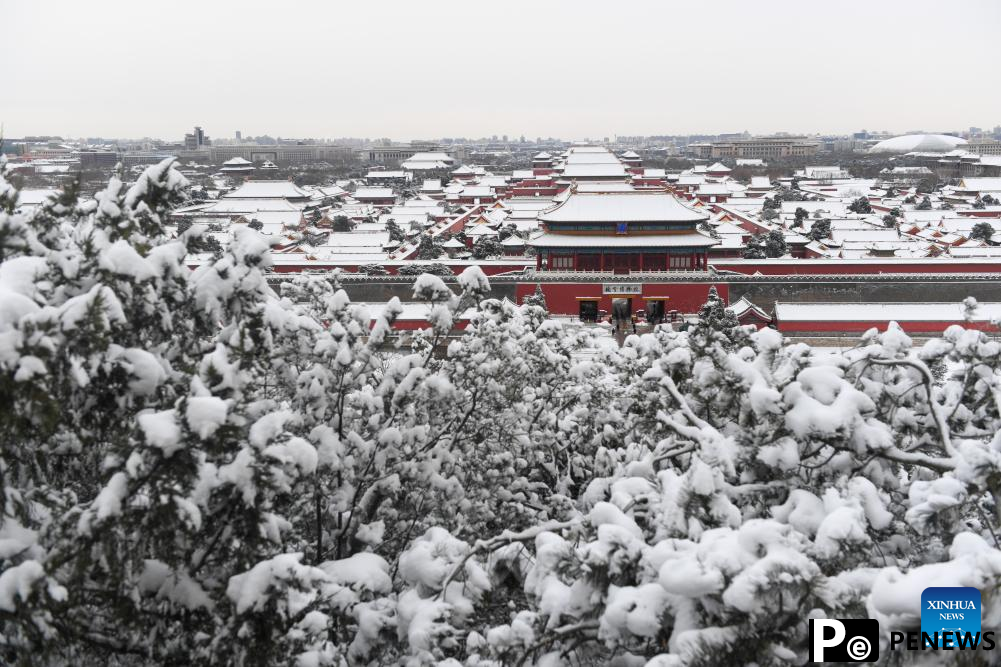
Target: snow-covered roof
718 167
351 242
286 218
601 186
744 306
35 197
932 143
425 165
713 189
480 230
882 312
330 191
405 218
431 157
871 235
975 251
374 193
476 191
432 206
823 171
227 206
622 207
493 181
237 161
586 148
681 240
980 184
268 190
593 158
594 170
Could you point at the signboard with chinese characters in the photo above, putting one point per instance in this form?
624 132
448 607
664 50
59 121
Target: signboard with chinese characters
622 288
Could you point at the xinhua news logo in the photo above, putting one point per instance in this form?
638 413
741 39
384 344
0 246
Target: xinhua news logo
844 639
953 612
950 620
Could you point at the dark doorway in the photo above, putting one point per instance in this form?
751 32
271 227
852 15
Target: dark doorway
655 312
588 311
622 309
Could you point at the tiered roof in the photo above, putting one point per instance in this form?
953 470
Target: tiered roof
622 207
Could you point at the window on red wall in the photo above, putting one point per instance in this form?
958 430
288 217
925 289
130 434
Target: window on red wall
681 262
654 261
561 262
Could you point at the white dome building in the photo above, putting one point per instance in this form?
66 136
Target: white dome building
925 143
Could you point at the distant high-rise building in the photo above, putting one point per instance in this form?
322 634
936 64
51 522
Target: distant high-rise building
239 135
196 140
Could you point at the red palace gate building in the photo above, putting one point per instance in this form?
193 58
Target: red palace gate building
620 233
628 231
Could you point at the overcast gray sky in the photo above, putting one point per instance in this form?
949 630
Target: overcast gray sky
406 70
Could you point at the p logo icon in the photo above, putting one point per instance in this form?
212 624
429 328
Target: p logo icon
844 640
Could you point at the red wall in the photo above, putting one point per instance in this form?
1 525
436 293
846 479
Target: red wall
812 266
490 270
561 298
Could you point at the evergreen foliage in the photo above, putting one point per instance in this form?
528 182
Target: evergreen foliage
860 205
819 230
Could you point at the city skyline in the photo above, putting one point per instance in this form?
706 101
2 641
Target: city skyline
525 138
402 72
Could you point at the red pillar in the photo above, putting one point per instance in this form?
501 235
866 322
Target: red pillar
602 261
538 260
641 261
575 255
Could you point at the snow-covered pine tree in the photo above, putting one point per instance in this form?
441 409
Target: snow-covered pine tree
430 247
537 298
860 205
775 244
982 231
819 230
754 248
